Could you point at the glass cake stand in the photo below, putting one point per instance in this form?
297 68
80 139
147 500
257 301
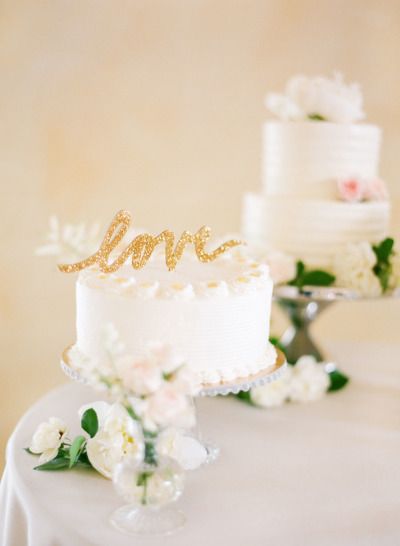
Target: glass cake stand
302 307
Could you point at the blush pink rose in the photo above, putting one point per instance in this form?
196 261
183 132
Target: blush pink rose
351 189
376 190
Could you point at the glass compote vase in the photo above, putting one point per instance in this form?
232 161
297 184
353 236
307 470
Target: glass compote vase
150 488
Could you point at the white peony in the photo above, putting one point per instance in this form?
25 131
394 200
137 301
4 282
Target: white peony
272 394
282 267
353 269
186 450
323 98
309 380
48 438
119 437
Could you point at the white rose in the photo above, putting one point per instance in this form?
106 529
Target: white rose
169 407
186 381
48 438
309 380
186 450
282 267
330 99
353 269
272 395
120 437
141 377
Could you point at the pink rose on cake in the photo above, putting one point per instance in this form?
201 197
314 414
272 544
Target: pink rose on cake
351 189
355 189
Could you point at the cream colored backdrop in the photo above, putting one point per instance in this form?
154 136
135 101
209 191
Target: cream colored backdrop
156 106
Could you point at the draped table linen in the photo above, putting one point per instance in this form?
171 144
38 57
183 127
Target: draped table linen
325 473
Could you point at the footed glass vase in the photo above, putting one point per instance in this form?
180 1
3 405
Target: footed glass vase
150 489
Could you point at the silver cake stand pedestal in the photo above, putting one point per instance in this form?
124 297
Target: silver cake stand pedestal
303 307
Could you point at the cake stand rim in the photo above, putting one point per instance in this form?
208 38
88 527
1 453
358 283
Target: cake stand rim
266 375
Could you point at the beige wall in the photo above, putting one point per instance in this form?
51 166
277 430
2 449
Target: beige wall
156 106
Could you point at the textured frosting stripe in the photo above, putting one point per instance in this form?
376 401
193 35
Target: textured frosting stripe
219 324
304 159
313 230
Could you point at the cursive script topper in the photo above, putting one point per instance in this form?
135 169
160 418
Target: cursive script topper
142 247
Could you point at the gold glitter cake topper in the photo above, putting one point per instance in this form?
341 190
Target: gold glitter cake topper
142 247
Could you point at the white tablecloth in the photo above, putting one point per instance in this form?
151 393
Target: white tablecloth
325 473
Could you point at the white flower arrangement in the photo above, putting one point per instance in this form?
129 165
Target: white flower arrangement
318 98
366 269
306 381
370 270
150 420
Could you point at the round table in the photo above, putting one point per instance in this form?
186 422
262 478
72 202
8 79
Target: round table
324 473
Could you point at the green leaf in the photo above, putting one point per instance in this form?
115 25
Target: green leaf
384 250
75 450
318 278
83 460
300 267
314 277
316 117
338 381
89 422
55 464
245 397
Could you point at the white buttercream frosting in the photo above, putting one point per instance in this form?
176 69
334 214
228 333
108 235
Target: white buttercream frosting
215 314
312 230
306 159
300 211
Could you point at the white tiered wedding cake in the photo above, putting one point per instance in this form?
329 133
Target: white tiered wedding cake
320 174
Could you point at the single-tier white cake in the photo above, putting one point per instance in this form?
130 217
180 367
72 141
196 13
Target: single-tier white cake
216 315
314 168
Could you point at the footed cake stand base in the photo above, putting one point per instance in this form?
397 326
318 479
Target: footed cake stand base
146 521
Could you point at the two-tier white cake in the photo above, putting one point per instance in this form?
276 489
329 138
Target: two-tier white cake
320 174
